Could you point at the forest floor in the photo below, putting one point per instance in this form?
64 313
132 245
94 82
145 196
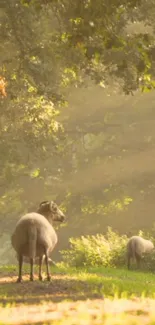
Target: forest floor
78 297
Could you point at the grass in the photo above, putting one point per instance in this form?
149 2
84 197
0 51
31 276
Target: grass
78 296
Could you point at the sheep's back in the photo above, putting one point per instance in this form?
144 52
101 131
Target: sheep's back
140 245
46 235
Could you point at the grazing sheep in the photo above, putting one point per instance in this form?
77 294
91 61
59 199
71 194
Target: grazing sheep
34 236
136 246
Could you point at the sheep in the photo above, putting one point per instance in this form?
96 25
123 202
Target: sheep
34 236
136 246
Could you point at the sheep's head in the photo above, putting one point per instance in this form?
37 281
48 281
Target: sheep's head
50 210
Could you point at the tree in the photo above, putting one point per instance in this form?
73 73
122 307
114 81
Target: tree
47 149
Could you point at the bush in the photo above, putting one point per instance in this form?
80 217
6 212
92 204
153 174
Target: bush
96 250
100 250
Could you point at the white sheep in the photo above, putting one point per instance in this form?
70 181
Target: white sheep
34 236
136 247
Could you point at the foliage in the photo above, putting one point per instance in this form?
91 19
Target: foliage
96 250
98 44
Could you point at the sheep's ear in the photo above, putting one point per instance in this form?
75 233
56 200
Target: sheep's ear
44 203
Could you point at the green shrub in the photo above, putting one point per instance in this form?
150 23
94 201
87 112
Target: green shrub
96 250
108 250
117 251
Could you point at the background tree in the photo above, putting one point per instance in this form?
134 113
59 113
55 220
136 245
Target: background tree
68 131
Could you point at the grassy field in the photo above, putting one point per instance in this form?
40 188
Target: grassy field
86 297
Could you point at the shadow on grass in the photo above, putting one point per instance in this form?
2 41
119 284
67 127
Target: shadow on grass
61 287
73 285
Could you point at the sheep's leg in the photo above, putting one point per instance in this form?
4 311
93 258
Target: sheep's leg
31 268
47 267
20 259
138 260
128 261
40 268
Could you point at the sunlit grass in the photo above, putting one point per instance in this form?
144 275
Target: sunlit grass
109 282
93 296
